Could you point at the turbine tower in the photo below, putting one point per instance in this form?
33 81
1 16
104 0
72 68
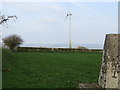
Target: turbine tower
69 14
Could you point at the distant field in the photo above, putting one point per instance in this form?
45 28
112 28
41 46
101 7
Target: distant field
49 70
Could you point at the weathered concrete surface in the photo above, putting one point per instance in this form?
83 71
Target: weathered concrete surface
110 69
119 61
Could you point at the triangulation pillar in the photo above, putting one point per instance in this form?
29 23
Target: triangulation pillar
110 69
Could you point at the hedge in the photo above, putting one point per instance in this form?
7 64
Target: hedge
39 49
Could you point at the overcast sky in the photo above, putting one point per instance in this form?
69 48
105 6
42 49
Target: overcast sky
43 22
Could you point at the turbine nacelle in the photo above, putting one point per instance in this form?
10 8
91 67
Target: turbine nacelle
68 15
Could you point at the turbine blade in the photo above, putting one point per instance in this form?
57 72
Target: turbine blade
66 18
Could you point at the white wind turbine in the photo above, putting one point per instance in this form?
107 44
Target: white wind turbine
69 14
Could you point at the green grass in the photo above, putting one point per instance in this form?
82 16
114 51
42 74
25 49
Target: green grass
50 70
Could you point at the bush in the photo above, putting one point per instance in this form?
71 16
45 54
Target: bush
82 47
12 41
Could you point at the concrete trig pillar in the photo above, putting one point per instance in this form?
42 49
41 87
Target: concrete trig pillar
110 69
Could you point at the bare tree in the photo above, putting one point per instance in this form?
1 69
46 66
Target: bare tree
12 41
4 19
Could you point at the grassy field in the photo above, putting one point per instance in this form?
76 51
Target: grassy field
49 70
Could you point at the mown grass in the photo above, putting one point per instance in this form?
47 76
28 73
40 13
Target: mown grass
50 70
